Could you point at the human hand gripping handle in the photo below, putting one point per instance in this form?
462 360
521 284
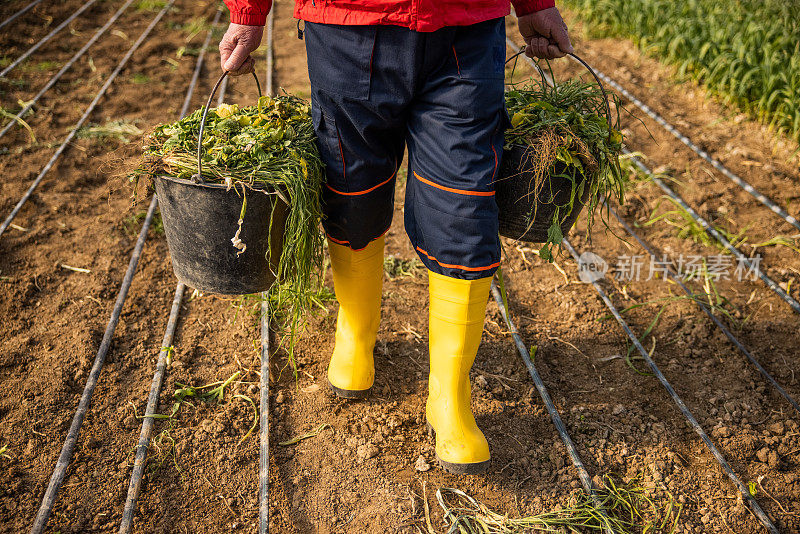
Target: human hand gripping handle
545 34
236 46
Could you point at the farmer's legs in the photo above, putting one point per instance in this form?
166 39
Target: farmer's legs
361 132
455 141
357 280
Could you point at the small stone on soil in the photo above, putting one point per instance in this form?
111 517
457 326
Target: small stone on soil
721 432
421 464
367 451
776 428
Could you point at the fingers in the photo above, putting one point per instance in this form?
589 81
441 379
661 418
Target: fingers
554 51
560 35
236 46
246 67
226 48
543 49
238 60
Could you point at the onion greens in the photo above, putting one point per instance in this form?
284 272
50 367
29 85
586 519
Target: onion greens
566 126
269 146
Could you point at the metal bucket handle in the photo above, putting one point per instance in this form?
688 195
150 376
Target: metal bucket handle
586 65
198 178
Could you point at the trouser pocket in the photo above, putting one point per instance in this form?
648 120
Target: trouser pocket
340 58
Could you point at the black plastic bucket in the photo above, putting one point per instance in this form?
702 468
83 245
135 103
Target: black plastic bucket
525 215
201 219
522 216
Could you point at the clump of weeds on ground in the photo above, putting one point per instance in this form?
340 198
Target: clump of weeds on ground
622 507
122 130
132 223
395 267
709 297
687 227
150 5
12 115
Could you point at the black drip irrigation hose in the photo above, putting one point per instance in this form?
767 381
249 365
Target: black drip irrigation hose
47 37
84 117
19 13
716 234
674 276
585 479
200 59
145 434
766 201
152 405
754 507
29 104
270 55
68 448
57 478
263 447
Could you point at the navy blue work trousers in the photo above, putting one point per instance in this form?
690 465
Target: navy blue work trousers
378 89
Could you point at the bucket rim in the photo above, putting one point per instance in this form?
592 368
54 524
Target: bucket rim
209 185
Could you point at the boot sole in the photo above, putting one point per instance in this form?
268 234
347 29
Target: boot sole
477 468
352 394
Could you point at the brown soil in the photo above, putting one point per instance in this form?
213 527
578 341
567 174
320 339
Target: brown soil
358 475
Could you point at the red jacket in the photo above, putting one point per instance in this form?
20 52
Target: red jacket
419 15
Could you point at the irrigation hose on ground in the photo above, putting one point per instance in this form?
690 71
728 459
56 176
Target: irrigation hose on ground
270 55
148 421
29 104
19 13
65 143
47 37
198 67
585 479
145 434
715 234
263 449
751 502
68 448
674 276
263 446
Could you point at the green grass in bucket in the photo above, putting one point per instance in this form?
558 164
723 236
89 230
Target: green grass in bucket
567 123
270 144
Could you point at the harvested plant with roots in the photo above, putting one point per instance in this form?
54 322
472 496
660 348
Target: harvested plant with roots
270 147
567 130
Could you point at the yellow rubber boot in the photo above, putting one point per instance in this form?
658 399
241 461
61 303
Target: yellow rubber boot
357 281
457 309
